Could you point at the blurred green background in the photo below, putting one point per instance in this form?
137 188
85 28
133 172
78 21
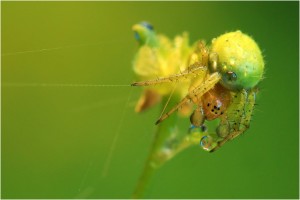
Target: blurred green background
56 140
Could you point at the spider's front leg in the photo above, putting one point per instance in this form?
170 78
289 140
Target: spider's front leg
194 95
237 119
197 68
193 71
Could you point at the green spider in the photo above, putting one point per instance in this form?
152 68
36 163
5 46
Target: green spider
219 80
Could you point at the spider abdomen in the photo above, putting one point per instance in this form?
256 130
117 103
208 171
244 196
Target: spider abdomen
240 60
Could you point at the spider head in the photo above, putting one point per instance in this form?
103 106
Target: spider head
145 34
239 60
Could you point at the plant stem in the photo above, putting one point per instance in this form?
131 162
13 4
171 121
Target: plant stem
156 157
164 147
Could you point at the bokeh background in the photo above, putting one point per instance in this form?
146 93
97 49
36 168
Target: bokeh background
56 139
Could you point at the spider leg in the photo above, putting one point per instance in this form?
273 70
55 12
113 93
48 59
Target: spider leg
197 118
195 94
192 71
248 110
238 117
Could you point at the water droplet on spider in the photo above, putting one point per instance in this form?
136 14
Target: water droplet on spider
231 76
206 142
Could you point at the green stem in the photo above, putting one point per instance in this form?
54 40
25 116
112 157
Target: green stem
164 147
156 157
